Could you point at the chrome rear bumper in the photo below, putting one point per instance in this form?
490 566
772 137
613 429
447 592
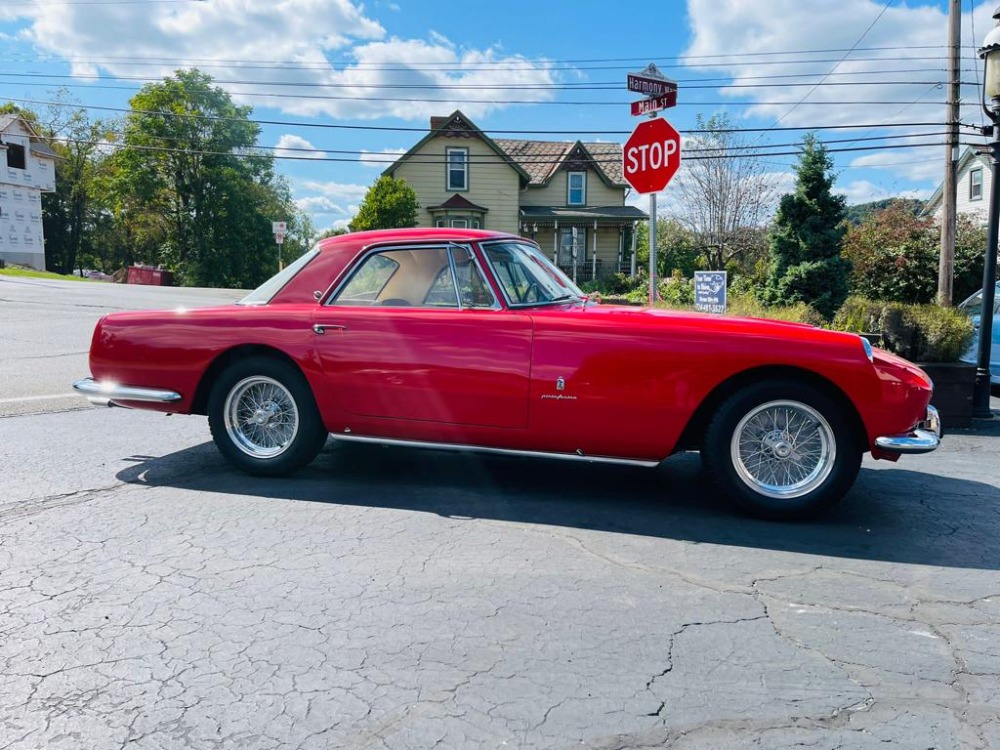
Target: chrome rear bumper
924 438
104 393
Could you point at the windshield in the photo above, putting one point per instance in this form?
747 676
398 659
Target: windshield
263 294
526 275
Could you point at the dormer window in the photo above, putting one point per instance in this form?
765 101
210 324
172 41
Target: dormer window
576 189
458 168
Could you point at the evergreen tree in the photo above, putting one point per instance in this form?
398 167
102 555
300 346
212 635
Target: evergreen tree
806 237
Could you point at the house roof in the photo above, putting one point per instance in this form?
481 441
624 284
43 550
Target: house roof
535 161
460 124
970 154
542 159
459 203
549 213
9 119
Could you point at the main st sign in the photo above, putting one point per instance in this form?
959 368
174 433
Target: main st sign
651 155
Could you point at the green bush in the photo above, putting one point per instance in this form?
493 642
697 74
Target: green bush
922 333
748 306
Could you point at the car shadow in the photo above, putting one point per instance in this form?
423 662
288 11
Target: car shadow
892 514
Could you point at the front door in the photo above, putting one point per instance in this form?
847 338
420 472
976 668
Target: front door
416 334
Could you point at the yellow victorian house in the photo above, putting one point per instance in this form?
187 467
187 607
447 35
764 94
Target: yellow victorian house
569 196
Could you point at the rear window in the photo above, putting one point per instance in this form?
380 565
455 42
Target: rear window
266 291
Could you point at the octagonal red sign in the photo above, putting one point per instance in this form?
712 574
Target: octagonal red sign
651 155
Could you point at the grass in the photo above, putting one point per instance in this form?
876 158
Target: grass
33 274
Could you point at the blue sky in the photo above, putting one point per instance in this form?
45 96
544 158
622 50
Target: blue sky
517 66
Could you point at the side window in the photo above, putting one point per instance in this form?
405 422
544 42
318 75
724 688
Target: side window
442 291
471 284
401 277
15 156
368 281
976 185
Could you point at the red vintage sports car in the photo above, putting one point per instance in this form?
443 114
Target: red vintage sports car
469 339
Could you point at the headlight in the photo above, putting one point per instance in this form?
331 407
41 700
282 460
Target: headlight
868 349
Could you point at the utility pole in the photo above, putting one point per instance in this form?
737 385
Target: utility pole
946 263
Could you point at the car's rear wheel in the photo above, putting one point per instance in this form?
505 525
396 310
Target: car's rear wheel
782 450
263 417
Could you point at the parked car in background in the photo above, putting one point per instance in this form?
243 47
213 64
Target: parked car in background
973 308
474 340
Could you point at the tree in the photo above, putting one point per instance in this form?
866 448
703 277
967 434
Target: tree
388 204
191 188
894 254
725 193
677 248
805 240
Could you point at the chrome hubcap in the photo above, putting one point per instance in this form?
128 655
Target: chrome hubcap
261 417
783 449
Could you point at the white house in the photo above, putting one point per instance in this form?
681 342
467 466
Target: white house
973 188
27 169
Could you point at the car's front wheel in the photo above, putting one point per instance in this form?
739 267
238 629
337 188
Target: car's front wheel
782 450
263 417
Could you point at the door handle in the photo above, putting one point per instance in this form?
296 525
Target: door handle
320 328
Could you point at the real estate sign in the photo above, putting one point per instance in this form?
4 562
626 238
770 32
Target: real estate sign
710 291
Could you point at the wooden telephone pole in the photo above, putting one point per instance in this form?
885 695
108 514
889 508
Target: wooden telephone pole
946 263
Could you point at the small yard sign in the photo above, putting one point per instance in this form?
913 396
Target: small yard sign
710 291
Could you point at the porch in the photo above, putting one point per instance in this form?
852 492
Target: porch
586 243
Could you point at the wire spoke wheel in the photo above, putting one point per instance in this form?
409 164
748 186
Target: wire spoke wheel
783 449
261 416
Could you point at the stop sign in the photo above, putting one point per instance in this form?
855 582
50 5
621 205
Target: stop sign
651 155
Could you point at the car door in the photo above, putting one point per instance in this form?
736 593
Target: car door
416 333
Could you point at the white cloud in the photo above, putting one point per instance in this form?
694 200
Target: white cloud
319 205
331 199
749 32
863 191
294 146
380 159
367 71
340 190
919 166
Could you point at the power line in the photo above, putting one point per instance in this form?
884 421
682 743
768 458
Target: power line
737 57
594 86
391 158
734 151
834 68
416 129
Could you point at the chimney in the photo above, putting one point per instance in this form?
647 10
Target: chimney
438 122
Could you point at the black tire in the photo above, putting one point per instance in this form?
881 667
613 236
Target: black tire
781 450
287 432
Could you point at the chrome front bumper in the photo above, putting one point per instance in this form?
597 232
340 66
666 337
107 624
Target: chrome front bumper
105 393
924 438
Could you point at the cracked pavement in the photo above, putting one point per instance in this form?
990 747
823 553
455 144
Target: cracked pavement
152 597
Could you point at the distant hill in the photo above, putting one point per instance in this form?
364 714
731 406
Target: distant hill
860 212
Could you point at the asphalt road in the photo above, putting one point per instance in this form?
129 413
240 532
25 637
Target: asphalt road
151 597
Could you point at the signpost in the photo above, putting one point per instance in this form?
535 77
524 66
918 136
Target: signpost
650 158
710 291
280 229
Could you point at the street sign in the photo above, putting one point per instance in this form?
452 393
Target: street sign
651 82
710 291
279 227
655 104
651 155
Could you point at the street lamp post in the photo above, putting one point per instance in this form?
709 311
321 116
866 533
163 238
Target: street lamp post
990 53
